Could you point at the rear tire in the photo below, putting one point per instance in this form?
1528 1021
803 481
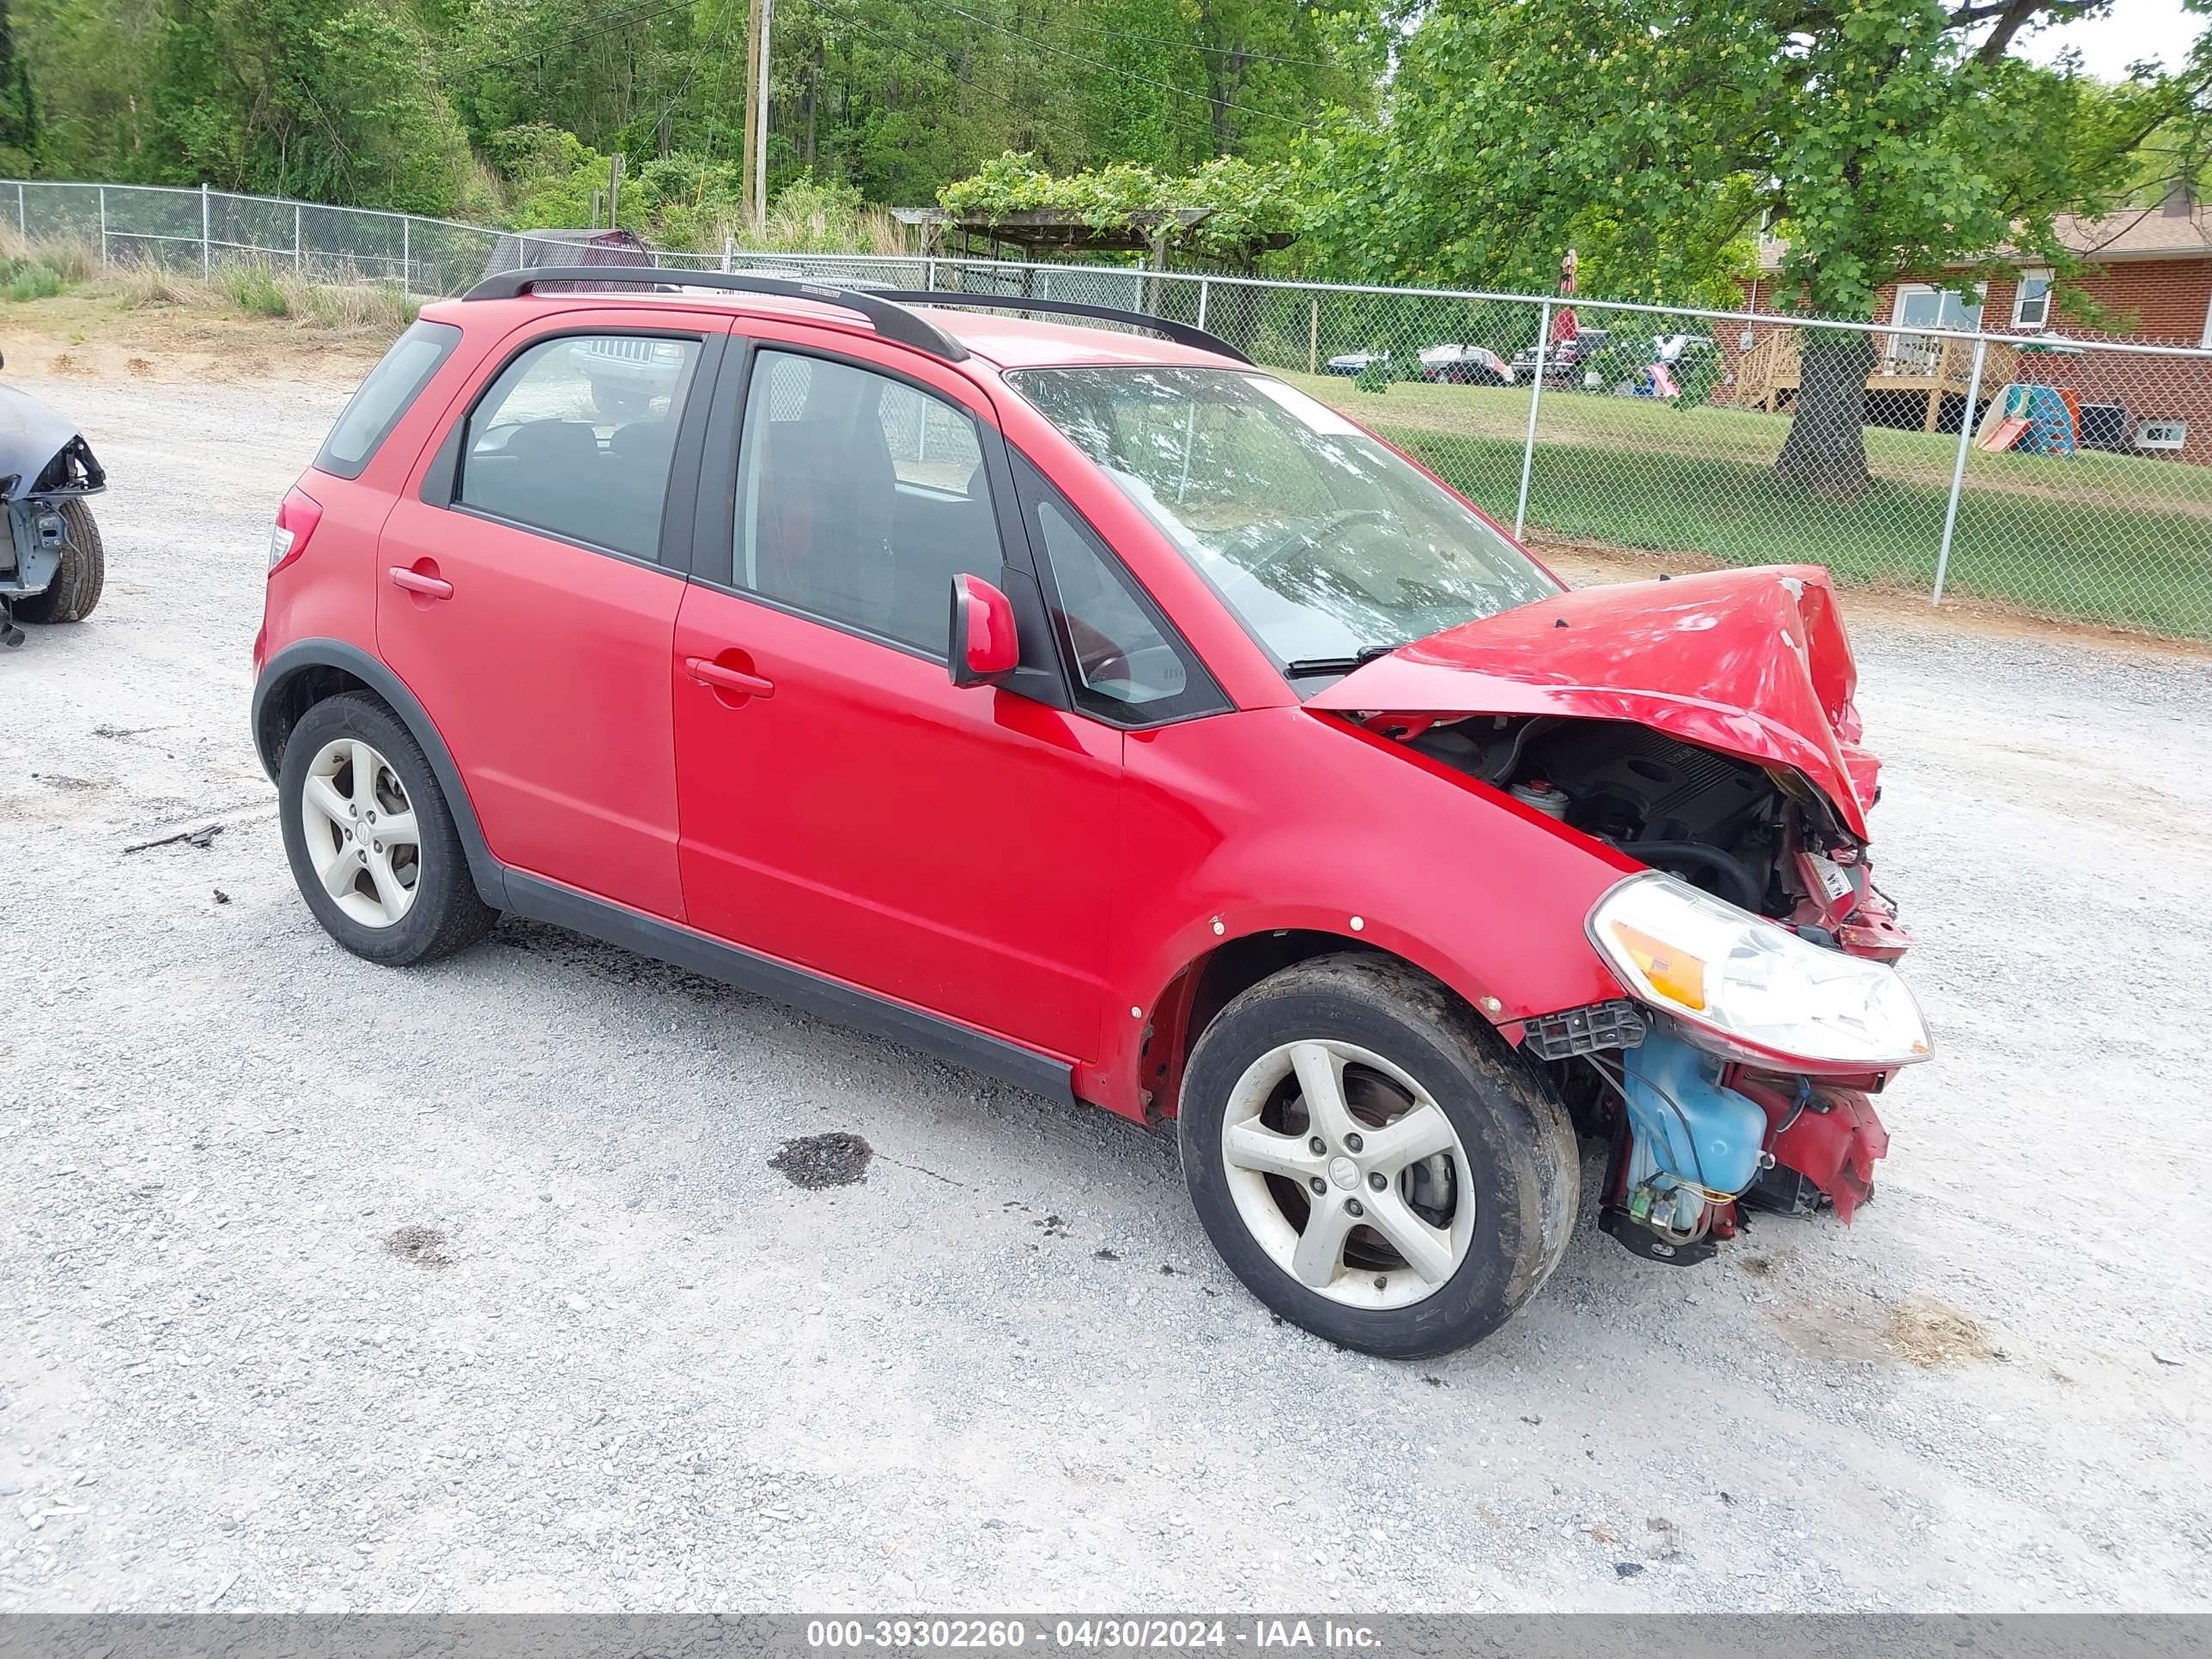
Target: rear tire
75 588
1499 1196
442 912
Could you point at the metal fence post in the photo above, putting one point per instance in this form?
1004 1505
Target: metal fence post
103 227
406 255
1202 286
295 239
1958 468
1312 334
729 247
1536 398
207 260
929 275
22 214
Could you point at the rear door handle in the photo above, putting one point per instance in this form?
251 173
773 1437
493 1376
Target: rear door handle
430 587
728 679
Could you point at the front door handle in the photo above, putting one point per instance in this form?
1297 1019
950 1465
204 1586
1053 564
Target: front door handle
430 587
728 679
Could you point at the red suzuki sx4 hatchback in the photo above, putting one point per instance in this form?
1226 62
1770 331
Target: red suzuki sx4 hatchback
1097 710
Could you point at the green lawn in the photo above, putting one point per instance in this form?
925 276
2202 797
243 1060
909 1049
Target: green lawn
2109 538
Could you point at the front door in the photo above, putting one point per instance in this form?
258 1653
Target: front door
844 806
525 603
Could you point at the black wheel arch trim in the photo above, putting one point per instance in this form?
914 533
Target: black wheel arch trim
489 874
841 1004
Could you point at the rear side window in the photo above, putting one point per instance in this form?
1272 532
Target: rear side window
576 437
384 397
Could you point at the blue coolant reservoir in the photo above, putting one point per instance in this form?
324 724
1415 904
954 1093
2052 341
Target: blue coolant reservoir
1685 1123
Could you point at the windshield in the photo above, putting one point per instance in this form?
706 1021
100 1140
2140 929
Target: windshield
1326 545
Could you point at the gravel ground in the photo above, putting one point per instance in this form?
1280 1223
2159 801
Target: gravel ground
326 1286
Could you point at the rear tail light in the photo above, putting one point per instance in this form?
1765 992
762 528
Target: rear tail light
297 519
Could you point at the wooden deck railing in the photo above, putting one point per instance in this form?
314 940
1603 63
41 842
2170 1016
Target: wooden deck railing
1927 365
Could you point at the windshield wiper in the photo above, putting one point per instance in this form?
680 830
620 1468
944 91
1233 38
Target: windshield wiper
1309 667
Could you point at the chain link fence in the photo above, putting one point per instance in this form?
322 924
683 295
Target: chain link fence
2070 479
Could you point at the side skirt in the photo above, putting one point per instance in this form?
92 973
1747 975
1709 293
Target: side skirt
796 987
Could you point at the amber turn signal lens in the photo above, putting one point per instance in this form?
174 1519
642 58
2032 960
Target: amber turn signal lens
1674 973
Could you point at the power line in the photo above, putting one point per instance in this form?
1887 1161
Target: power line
720 30
1210 51
1115 68
613 17
906 49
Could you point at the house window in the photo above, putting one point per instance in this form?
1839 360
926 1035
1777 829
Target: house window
1923 305
2030 301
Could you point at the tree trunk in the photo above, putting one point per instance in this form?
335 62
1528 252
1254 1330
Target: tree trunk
1825 449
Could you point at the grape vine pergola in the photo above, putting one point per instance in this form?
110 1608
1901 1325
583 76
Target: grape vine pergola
1042 233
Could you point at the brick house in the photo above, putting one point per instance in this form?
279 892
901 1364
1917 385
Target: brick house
2150 268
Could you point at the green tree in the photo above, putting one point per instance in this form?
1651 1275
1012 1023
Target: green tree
1884 139
19 113
388 103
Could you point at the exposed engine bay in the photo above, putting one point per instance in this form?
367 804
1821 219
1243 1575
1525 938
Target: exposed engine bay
1759 837
1697 1140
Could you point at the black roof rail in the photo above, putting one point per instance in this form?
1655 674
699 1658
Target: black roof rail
893 321
1181 333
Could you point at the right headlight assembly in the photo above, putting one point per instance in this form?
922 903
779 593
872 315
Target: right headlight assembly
1744 987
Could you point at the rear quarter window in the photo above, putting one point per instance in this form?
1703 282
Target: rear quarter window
384 397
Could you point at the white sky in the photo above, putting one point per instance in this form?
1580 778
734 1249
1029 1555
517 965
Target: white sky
2135 29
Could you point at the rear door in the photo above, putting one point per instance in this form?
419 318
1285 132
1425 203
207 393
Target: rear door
527 593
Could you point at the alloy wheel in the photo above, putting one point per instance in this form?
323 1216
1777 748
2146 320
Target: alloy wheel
1348 1174
361 834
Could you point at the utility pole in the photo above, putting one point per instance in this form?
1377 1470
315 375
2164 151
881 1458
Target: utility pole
760 144
749 182
614 191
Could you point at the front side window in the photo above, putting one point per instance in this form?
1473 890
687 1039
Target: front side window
2031 305
384 397
576 437
1326 545
860 498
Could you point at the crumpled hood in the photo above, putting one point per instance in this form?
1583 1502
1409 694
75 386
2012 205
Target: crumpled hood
1751 663
31 434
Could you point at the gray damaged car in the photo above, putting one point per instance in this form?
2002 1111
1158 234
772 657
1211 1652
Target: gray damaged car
51 563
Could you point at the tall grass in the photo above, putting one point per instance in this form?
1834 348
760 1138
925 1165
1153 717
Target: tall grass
31 280
40 268
71 259
260 289
816 222
252 287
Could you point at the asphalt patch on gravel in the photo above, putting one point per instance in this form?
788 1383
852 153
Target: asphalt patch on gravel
835 1159
423 1246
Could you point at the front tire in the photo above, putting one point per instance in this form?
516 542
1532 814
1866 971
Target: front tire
371 840
83 573
1371 1161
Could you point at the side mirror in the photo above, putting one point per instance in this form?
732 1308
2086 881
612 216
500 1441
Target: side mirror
983 648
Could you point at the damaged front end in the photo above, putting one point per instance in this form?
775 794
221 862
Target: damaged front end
1704 728
45 465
